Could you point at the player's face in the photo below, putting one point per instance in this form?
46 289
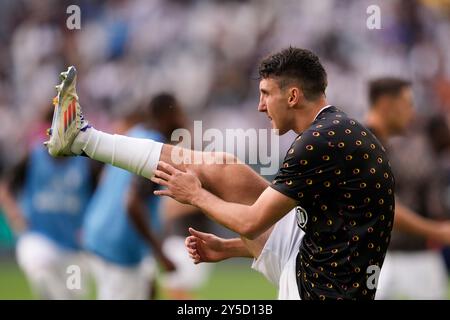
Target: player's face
274 102
402 111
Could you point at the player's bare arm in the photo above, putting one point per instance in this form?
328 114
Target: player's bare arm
249 221
11 209
408 221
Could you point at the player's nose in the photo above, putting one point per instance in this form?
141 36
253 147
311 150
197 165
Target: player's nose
262 107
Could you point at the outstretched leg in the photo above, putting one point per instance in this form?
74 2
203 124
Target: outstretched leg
71 135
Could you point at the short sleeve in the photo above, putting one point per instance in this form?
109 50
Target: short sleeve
309 169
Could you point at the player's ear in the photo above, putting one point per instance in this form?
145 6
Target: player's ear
295 96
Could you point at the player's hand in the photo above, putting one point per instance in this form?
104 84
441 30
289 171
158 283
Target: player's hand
205 247
181 186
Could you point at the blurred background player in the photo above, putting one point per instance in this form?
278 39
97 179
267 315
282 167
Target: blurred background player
44 200
437 132
122 229
168 116
182 283
412 268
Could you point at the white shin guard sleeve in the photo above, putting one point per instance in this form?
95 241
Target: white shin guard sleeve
139 156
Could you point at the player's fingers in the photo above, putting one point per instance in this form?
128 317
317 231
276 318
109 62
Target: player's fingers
192 240
195 257
167 167
189 248
198 242
199 234
159 181
162 175
189 241
166 192
192 245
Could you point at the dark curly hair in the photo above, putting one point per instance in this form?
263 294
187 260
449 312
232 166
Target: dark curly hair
296 64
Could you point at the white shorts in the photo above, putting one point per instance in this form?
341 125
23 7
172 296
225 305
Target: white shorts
278 257
187 276
117 282
46 266
420 275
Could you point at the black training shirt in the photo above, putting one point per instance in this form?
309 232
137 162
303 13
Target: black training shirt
340 175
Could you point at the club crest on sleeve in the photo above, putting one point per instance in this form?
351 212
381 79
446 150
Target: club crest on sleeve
302 216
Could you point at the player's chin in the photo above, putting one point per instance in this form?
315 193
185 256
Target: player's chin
279 130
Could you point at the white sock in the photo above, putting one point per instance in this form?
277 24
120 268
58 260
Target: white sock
139 156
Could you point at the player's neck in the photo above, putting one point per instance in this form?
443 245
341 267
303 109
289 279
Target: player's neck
306 114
